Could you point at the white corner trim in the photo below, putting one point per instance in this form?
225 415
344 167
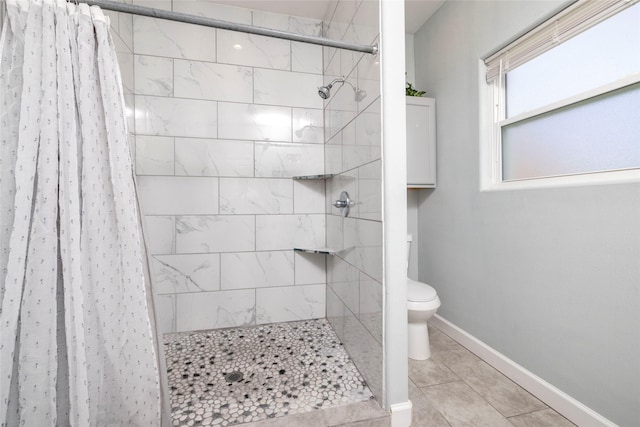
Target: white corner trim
558 400
401 414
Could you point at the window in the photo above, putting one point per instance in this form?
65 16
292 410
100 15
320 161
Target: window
566 98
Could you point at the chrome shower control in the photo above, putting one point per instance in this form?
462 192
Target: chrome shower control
344 203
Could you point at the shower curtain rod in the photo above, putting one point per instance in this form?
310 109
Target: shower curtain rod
225 25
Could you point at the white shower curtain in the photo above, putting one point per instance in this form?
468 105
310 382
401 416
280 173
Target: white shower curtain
76 344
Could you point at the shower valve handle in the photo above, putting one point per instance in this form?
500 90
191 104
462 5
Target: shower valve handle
344 203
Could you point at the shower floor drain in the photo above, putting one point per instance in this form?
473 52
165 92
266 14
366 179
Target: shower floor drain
233 377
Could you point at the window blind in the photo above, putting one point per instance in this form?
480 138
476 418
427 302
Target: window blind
569 22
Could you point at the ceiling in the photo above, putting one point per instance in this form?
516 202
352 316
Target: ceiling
417 12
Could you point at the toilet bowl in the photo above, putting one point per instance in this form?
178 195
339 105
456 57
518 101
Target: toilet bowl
422 304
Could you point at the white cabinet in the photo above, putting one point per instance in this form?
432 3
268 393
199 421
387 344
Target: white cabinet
421 142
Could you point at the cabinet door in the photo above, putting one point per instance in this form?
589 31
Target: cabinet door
421 143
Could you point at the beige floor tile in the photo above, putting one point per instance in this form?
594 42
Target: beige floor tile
439 341
423 413
503 394
544 418
463 407
430 372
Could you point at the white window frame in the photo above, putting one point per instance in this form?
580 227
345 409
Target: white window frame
495 97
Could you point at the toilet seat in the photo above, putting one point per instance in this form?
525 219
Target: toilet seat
420 292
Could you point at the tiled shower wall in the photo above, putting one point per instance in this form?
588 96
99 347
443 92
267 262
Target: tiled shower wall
223 120
353 153
122 36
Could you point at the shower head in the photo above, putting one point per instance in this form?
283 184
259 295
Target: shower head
324 92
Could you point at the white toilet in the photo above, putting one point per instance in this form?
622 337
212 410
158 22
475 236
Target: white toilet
422 304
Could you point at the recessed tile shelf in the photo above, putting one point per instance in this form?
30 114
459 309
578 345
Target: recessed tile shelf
323 251
318 177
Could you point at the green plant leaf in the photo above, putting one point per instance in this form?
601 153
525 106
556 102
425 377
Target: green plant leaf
410 91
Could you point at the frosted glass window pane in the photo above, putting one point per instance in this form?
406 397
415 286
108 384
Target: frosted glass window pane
603 54
599 134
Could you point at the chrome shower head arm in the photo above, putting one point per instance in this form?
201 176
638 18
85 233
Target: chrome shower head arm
342 80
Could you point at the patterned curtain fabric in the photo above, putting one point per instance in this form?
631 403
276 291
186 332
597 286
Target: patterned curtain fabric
76 343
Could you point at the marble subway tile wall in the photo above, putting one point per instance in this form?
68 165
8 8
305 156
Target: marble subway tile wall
122 35
353 154
223 122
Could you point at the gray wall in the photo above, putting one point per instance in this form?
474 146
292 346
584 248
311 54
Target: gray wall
548 277
412 195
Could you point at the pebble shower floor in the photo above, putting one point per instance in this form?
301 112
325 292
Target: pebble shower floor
227 377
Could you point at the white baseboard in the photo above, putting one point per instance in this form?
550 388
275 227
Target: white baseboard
401 414
561 402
